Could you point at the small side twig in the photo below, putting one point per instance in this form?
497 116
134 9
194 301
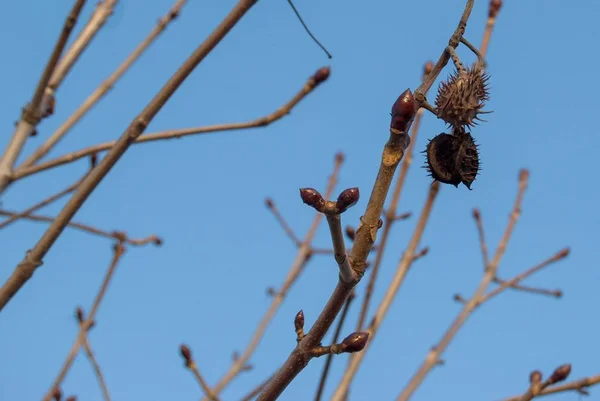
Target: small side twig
282 222
186 353
536 385
90 354
579 386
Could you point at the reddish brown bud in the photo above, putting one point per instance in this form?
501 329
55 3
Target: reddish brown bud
561 373
157 241
33 133
93 160
186 354
523 174
563 253
495 6
403 111
428 68
339 157
321 75
71 398
458 298
558 293
50 103
269 203
299 321
535 376
57 394
79 314
312 198
271 291
355 342
350 233
348 198
476 214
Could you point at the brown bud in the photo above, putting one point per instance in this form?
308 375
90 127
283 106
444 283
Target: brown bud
523 174
71 398
495 6
49 106
348 198
79 314
561 373
312 198
186 354
157 241
403 216
271 291
299 321
403 111
355 342
535 376
458 298
119 236
33 133
269 203
428 68
339 157
476 214
563 253
93 160
57 394
350 233
321 75
558 293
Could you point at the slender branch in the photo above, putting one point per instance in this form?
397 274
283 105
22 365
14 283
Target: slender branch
402 270
433 357
256 390
103 11
84 327
390 215
286 227
33 259
302 257
308 30
336 337
104 88
116 235
31 114
577 385
320 76
533 290
99 376
494 9
339 248
482 243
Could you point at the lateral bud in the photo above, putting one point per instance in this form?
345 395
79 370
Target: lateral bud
348 198
561 373
535 377
427 68
269 203
355 342
312 198
403 111
79 314
299 321
350 233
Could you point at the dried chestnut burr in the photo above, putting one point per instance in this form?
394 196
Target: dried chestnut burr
452 159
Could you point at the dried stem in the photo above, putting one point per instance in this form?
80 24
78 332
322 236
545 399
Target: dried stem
286 227
84 327
31 114
284 110
205 387
302 257
24 271
99 376
336 338
433 357
577 385
104 88
116 235
533 290
494 9
403 267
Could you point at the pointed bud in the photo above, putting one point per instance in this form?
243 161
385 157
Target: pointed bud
312 198
339 157
355 342
79 314
49 105
428 68
476 214
348 198
93 160
561 373
157 241
57 394
563 253
350 233
299 321
269 203
523 174
403 111
495 6
535 377
321 75
186 354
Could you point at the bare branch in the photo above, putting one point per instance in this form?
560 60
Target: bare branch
90 354
533 290
33 259
577 385
191 365
31 114
286 227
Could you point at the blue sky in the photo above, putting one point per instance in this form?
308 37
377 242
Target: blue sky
204 195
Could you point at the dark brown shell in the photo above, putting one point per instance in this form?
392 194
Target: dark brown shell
452 159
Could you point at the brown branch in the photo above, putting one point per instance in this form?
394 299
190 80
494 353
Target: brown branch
104 88
533 290
320 76
254 392
118 250
403 113
31 114
116 235
402 270
435 353
390 214
191 365
482 243
336 337
577 385
33 259
302 257
286 227
536 385
494 9
90 354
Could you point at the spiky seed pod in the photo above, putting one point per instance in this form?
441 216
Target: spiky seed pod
441 159
462 97
452 159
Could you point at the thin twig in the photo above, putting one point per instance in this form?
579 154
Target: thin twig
339 247
33 259
533 290
205 387
482 243
302 257
254 392
284 224
435 353
104 87
336 338
402 270
577 385
284 110
116 235
31 114
118 252
99 376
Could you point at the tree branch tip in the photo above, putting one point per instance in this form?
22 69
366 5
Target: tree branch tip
557 293
158 241
563 253
523 175
459 298
321 75
299 321
269 203
186 353
403 111
271 291
346 199
339 157
355 342
403 216
57 394
79 314
476 214
495 6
